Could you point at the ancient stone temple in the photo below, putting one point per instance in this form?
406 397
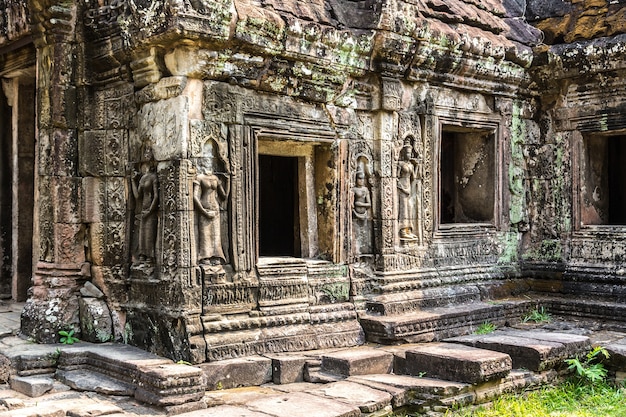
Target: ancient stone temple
215 179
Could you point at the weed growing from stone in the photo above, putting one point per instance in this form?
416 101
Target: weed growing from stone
590 369
485 328
537 315
67 337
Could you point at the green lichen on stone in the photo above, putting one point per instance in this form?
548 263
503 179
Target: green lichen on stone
549 250
509 243
337 292
517 208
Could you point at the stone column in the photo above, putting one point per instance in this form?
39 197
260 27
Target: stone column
58 246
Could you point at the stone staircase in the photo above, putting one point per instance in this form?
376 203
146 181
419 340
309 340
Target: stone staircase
371 380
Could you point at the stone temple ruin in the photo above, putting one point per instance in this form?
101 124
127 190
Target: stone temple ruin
214 179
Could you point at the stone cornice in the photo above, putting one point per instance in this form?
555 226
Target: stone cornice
421 48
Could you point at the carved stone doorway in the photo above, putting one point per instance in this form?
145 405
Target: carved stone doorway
279 230
17 177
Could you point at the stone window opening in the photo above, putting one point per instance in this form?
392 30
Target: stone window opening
468 171
602 187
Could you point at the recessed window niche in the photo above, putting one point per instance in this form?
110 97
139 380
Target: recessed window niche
602 185
467 176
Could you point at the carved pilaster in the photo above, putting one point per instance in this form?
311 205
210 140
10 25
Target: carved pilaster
61 269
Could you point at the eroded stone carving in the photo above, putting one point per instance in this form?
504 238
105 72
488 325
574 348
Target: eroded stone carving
210 190
409 177
145 186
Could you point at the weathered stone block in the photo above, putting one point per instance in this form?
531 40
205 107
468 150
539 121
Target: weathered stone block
525 353
287 369
358 361
31 386
240 372
405 389
458 363
95 320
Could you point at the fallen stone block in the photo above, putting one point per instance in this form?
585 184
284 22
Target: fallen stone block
240 372
455 362
358 361
31 386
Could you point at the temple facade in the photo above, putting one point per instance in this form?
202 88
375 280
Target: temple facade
215 179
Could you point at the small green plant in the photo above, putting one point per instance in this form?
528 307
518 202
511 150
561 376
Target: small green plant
67 337
590 369
537 315
485 328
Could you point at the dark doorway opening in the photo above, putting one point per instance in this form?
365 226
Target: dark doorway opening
6 197
616 176
279 230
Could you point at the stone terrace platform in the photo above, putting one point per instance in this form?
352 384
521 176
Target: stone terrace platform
373 380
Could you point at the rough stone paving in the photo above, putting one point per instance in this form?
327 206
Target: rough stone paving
316 198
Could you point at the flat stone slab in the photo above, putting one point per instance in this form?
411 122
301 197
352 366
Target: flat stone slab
573 343
226 411
239 396
526 353
85 380
456 362
366 398
405 389
299 404
357 361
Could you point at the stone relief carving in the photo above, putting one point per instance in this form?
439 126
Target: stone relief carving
362 211
409 188
211 189
145 187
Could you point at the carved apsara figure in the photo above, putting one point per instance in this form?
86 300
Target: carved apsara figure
145 187
408 175
362 199
209 190
361 207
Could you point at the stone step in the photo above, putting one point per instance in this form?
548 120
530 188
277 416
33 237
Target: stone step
456 362
357 361
535 351
409 390
439 323
369 400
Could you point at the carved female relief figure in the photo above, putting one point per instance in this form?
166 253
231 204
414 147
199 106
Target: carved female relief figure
210 189
409 192
145 187
361 213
